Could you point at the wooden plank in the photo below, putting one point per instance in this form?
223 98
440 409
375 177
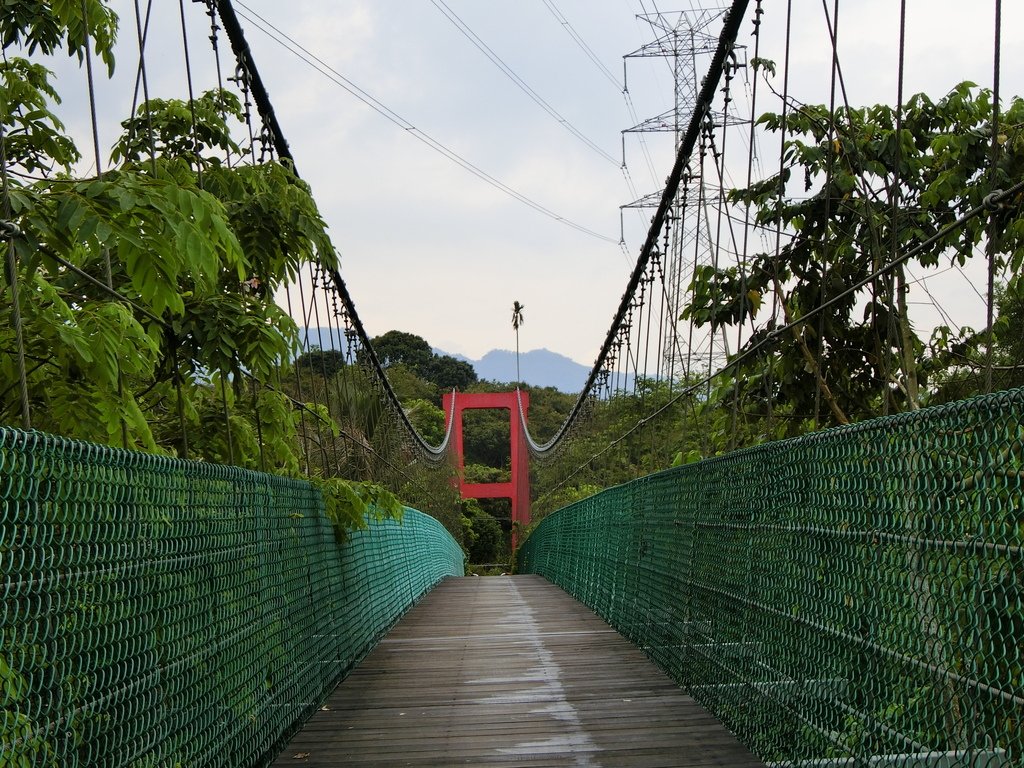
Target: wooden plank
510 671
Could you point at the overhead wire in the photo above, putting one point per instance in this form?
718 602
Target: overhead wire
634 117
516 80
464 28
312 60
922 282
605 72
587 50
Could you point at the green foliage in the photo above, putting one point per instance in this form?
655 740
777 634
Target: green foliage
958 362
166 241
846 174
428 420
276 220
181 129
760 63
326 362
51 25
171 250
34 137
409 386
359 437
481 473
620 441
401 347
443 371
200 276
17 727
449 373
350 504
482 535
566 495
486 438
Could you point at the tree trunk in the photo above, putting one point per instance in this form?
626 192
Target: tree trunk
826 393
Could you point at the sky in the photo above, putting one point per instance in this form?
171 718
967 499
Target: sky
428 247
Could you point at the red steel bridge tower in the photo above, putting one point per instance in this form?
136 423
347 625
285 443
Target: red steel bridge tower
517 489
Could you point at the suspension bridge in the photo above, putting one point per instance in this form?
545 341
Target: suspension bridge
203 556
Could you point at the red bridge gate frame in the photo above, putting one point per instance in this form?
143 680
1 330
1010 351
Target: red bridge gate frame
517 490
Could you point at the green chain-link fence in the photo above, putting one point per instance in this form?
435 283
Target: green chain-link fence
848 598
164 613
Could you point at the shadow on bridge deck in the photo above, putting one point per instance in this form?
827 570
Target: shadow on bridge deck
510 671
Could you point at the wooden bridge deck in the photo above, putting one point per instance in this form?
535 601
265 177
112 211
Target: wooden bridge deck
510 671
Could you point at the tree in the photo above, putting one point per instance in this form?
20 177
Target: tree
482 533
50 27
323 361
447 372
517 320
428 420
486 437
618 442
400 347
408 385
414 352
853 195
959 363
191 276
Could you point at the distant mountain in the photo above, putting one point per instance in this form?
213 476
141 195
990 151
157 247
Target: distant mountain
324 338
538 368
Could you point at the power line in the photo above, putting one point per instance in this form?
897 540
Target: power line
464 28
521 84
643 142
560 17
311 59
620 86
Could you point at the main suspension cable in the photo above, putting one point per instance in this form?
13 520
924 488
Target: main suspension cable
702 109
266 111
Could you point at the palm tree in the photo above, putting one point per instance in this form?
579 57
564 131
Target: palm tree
517 320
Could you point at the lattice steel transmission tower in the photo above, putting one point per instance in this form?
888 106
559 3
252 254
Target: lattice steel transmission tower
686 40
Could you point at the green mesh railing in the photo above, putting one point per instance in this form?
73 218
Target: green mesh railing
852 597
167 613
